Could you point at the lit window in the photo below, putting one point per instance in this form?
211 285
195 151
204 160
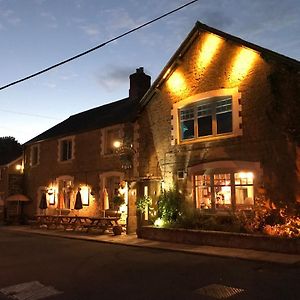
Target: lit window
34 155
65 192
244 189
224 191
211 117
66 149
203 191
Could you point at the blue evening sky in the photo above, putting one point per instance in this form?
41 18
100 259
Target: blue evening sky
38 33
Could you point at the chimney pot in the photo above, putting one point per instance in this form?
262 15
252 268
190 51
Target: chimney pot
139 84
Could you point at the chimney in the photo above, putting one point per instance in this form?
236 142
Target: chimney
139 84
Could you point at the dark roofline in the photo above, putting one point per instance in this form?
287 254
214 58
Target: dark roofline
200 27
48 135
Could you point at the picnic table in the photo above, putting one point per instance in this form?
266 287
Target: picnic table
79 222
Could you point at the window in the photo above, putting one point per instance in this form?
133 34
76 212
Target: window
111 135
210 117
224 190
66 149
65 192
34 155
244 189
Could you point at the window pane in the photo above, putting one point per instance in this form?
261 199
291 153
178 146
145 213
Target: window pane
111 136
204 110
243 178
187 129
222 179
223 106
222 197
244 196
187 114
205 126
224 122
203 191
66 150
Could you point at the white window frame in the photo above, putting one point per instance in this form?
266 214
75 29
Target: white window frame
60 143
205 97
32 162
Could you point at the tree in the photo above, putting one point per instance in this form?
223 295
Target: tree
10 149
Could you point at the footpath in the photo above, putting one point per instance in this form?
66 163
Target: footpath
132 240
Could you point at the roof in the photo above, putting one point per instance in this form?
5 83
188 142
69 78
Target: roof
121 111
12 161
200 27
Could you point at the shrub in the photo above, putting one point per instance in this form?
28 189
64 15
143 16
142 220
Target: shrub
169 205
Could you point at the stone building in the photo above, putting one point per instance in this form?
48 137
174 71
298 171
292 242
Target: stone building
91 153
11 189
221 122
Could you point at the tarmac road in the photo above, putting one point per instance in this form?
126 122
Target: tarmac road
78 269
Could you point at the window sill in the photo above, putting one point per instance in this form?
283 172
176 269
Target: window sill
66 161
208 139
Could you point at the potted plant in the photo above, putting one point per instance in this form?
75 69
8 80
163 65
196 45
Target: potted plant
117 201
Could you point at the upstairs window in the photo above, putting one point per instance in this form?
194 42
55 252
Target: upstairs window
66 149
34 155
111 136
211 117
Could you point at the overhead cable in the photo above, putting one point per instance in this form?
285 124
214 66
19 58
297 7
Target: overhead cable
97 47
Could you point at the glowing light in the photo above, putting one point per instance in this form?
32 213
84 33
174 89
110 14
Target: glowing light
176 83
209 47
167 73
117 144
84 191
19 167
159 222
242 65
244 175
51 195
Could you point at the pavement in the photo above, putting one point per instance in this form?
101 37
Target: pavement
134 241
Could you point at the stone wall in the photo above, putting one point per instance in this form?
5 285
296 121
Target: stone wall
262 140
220 239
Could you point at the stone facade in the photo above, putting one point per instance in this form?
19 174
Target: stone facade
263 140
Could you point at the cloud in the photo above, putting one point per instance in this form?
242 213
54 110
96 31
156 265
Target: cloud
117 19
90 30
50 85
66 77
115 77
10 17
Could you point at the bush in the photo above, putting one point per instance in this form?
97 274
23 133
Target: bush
192 218
169 205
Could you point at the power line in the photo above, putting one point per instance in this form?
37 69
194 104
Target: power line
28 114
98 46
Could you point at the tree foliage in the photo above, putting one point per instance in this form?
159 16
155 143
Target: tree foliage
10 149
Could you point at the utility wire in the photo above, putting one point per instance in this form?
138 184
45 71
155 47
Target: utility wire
28 114
98 46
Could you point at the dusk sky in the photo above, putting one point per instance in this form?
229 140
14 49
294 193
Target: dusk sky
38 33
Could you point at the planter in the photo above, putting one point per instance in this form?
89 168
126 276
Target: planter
221 239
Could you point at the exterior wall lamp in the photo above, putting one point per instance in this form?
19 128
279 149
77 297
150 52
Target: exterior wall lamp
125 151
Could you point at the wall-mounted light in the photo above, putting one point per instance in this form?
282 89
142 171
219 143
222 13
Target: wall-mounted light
117 144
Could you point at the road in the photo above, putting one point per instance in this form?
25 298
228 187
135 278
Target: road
92 270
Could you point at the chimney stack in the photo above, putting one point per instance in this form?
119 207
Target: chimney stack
139 84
